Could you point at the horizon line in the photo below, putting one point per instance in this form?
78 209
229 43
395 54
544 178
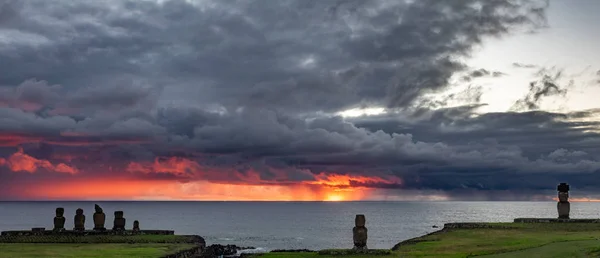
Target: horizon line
324 201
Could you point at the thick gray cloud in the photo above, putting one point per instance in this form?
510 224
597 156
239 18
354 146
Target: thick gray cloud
236 91
295 55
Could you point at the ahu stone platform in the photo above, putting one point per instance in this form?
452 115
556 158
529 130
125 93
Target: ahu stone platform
40 232
555 220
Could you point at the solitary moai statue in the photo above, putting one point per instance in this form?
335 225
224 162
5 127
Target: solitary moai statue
563 205
119 222
360 233
99 218
136 226
79 220
59 220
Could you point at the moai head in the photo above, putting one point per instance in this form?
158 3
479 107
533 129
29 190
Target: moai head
79 212
360 220
60 212
118 214
563 188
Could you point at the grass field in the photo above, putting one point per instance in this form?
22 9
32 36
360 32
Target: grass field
98 239
498 240
90 250
501 240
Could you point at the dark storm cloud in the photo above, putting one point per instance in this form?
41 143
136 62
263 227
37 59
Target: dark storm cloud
297 55
220 91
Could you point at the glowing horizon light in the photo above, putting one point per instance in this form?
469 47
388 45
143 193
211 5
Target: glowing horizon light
334 198
355 112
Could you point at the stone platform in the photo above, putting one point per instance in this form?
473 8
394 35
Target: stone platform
85 232
555 220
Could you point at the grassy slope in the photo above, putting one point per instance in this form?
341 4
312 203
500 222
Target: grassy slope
93 245
522 240
89 250
506 238
139 239
572 249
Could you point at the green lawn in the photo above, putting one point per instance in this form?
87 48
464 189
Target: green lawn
90 250
506 237
501 240
571 249
98 239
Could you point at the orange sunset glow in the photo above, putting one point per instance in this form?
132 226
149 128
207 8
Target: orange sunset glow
196 182
201 191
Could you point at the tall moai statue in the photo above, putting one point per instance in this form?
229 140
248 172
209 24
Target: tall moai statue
359 233
59 219
119 222
99 218
563 206
79 220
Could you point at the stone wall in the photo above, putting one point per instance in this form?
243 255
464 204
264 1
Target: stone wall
84 233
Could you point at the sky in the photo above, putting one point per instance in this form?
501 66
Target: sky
299 100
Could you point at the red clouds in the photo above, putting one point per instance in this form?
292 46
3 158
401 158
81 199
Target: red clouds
173 165
21 162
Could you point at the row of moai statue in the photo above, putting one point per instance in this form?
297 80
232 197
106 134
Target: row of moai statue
99 220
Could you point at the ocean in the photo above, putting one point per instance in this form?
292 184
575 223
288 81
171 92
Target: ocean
289 225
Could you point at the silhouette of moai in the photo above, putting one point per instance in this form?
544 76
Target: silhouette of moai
136 226
99 218
59 219
79 220
119 222
359 233
563 206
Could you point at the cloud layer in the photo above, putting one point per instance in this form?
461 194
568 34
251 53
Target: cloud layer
225 100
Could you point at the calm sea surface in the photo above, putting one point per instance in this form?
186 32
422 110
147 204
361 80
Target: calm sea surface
274 225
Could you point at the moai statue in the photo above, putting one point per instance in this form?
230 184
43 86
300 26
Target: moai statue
563 205
79 220
59 220
119 222
360 233
99 218
136 226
